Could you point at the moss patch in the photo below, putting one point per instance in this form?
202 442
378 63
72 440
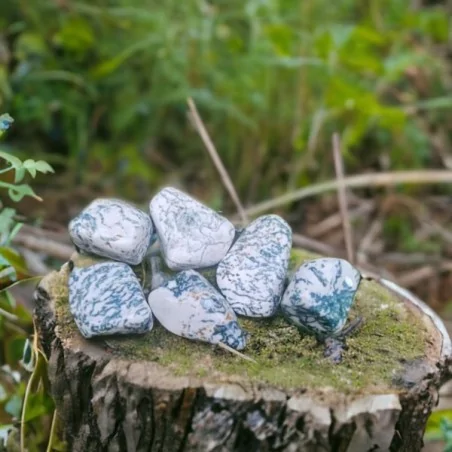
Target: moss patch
285 357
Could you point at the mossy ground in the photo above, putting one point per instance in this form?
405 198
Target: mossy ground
285 357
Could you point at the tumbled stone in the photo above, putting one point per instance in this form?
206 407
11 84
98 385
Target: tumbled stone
251 276
191 235
106 299
113 229
320 295
189 306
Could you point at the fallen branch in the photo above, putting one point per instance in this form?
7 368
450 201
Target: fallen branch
333 221
359 181
315 245
44 245
342 198
227 182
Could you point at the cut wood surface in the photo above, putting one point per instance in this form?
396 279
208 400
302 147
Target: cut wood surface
159 392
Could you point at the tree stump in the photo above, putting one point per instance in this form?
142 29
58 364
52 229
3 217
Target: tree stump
159 392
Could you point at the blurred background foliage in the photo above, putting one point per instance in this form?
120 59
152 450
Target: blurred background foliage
99 89
24 399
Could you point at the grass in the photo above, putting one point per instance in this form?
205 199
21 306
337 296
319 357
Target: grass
286 358
103 89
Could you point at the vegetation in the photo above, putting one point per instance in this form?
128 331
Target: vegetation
29 402
440 428
101 88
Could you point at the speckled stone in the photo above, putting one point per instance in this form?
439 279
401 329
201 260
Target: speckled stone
251 276
107 299
113 229
189 306
320 295
191 235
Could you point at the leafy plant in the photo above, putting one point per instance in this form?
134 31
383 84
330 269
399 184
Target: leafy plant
17 192
439 427
106 84
21 403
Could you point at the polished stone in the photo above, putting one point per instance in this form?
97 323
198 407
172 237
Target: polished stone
252 275
191 235
189 306
319 296
113 229
107 299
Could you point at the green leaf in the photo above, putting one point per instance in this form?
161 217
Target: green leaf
14 348
40 166
11 301
18 192
38 405
19 176
107 67
15 261
14 161
6 224
29 165
435 103
435 23
17 227
22 281
9 274
76 35
436 424
43 167
29 45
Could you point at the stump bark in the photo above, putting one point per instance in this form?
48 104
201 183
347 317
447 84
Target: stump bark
112 395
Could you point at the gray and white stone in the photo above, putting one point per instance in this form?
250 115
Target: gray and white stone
189 306
113 229
252 275
319 296
191 235
107 299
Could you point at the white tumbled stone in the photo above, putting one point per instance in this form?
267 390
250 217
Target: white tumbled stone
107 299
251 276
189 306
191 235
113 229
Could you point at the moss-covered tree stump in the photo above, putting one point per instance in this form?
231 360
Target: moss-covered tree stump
159 392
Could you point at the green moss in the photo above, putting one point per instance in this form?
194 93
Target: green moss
285 357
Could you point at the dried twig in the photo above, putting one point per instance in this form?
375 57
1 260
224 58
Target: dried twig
8 315
216 159
316 126
342 197
45 245
61 236
334 220
35 262
369 239
415 276
235 352
358 181
315 245
408 259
